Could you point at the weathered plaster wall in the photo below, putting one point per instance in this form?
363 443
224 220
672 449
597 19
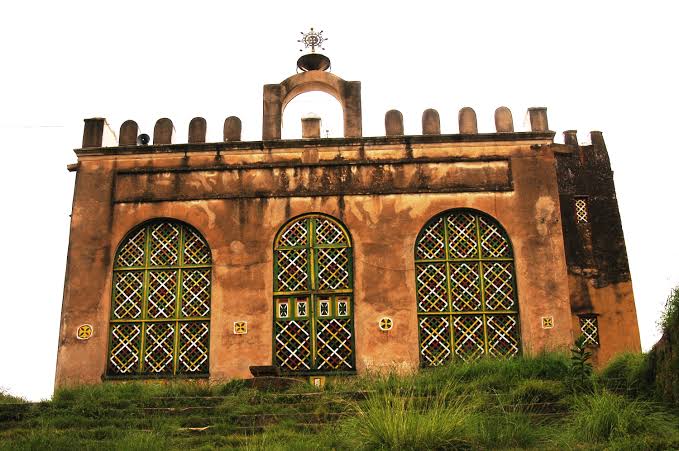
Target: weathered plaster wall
599 276
514 180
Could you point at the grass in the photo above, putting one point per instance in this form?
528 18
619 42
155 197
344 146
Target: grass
399 419
7 398
628 373
607 416
522 403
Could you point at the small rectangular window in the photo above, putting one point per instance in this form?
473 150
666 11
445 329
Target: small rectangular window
324 307
283 309
589 328
342 306
302 308
581 210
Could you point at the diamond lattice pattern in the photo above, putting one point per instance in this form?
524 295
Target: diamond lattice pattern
295 234
431 245
432 291
292 345
434 339
195 292
589 327
467 304
462 240
162 280
469 336
128 294
193 347
293 271
333 344
581 213
133 251
125 346
333 268
503 335
159 348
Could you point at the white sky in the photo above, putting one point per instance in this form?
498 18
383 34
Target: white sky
595 65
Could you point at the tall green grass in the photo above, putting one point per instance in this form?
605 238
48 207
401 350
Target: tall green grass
521 403
629 374
400 420
607 416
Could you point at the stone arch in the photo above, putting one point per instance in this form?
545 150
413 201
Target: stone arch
276 98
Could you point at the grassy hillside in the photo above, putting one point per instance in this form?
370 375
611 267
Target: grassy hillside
523 403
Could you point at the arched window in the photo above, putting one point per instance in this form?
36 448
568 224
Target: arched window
313 294
466 292
160 309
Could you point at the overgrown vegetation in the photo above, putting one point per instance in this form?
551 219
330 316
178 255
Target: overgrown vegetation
521 403
6 398
669 318
663 360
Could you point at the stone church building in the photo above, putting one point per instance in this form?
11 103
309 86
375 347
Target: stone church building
328 256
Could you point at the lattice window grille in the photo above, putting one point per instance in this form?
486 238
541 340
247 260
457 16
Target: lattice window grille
292 343
434 339
581 210
160 302
333 343
466 293
313 258
589 328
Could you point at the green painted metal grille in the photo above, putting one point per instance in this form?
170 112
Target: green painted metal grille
313 293
466 293
160 308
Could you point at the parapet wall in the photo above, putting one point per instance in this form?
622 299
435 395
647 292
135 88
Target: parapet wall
97 132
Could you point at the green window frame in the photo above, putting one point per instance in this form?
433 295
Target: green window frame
467 303
313 315
160 303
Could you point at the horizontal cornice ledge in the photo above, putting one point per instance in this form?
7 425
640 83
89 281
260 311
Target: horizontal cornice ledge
540 137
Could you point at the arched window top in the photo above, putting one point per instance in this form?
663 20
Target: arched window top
160 302
312 230
162 242
462 234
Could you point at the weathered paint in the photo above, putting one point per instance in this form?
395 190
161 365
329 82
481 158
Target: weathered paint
116 191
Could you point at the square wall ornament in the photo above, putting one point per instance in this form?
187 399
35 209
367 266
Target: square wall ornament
317 381
240 327
547 322
386 323
84 332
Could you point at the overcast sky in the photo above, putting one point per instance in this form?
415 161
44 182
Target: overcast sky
595 65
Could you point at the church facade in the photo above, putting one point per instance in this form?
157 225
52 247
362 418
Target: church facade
333 256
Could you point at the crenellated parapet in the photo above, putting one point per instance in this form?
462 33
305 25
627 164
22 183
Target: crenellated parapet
97 132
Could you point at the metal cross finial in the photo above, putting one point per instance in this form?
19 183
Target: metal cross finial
312 39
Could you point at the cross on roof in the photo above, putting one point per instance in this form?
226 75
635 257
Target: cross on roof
312 39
